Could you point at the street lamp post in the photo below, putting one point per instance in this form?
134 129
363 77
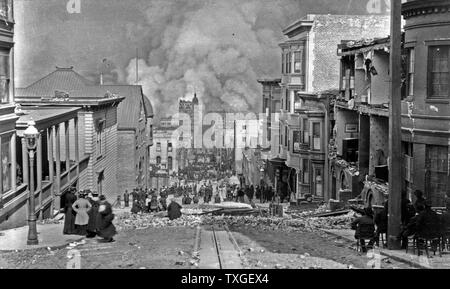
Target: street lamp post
31 135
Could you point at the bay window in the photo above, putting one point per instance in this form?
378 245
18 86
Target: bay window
317 144
4 76
305 171
5 9
438 72
305 132
410 72
436 174
6 164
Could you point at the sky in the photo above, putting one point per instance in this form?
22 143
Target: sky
216 48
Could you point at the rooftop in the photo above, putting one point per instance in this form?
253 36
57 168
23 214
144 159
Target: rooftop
45 116
128 113
65 87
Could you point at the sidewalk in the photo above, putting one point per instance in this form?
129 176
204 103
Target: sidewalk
49 236
422 262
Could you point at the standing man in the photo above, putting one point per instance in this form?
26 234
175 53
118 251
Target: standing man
126 199
174 210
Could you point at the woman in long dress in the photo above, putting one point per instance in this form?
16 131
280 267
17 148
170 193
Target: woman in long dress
93 212
82 207
106 228
68 199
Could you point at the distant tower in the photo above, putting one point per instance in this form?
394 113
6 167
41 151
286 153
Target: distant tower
195 99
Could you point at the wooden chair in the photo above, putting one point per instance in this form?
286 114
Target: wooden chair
434 243
412 239
358 243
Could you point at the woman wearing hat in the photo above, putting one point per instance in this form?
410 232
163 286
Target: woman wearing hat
106 228
82 207
93 212
67 200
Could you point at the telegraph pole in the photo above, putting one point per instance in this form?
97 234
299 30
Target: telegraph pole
395 128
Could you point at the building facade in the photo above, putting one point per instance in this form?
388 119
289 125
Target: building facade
163 156
134 125
310 71
425 107
10 186
97 119
359 149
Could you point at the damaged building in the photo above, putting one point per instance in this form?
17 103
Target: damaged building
359 149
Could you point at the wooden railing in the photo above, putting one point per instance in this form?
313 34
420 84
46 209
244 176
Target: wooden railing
18 198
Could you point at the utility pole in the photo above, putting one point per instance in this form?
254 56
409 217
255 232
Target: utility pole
395 129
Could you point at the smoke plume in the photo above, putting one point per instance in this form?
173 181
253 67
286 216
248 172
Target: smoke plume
217 49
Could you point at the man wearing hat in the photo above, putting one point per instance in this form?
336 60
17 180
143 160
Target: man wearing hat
428 222
126 199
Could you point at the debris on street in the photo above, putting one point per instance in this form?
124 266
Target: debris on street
193 217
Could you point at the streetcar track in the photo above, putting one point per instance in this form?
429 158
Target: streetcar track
216 244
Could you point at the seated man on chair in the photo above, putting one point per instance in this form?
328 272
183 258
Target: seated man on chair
381 221
365 229
428 224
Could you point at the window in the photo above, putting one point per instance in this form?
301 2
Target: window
100 138
158 147
6 164
170 163
286 136
287 102
316 137
298 61
5 9
296 142
410 75
289 62
100 180
436 174
151 131
318 182
4 76
305 131
439 74
305 171
286 63
158 160
282 63
169 147
297 101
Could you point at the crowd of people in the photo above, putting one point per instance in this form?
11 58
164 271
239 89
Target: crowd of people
417 219
87 214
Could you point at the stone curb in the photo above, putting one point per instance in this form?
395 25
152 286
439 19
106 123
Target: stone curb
53 248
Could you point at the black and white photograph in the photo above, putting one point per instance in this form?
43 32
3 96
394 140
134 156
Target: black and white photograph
205 136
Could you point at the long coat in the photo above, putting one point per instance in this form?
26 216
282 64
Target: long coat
93 213
69 214
106 228
174 210
81 207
